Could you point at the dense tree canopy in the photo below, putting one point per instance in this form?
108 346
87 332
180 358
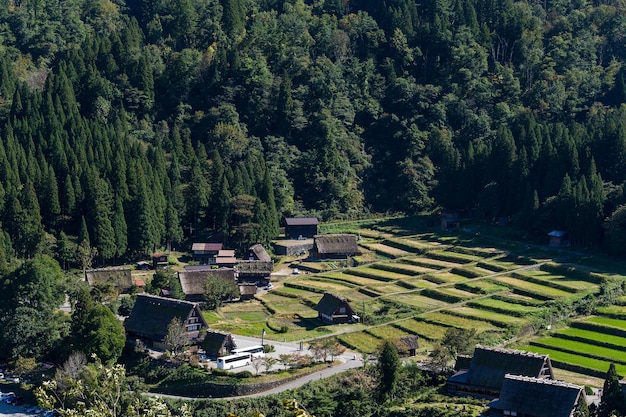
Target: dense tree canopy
163 122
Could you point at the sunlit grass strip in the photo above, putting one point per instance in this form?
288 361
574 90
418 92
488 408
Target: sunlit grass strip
503 307
352 279
374 234
620 324
445 318
424 329
445 277
360 341
477 251
519 299
387 332
325 285
594 367
555 281
480 287
453 258
410 245
388 289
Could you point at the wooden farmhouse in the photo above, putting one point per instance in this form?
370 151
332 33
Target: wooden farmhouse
254 272
119 278
151 315
524 396
300 227
334 309
226 258
488 367
558 238
205 253
159 260
216 344
407 345
450 219
247 291
258 253
337 246
193 280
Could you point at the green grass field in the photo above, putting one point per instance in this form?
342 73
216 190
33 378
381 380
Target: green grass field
503 307
388 332
457 321
423 329
578 360
386 251
620 324
532 288
584 349
497 319
360 341
592 337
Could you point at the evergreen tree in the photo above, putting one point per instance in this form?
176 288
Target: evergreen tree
388 367
613 401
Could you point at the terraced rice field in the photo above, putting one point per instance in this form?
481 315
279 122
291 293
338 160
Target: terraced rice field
325 285
385 250
560 281
353 279
592 337
402 269
582 348
388 332
498 319
616 312
481 287
418 300
285 305
503 307
535 290
424 329
461 322
585 364
447 277
375 273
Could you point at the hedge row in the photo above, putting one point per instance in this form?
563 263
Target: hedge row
434 279
469 288
368 292
265 304
491 267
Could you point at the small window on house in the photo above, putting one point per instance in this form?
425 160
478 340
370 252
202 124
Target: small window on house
342 310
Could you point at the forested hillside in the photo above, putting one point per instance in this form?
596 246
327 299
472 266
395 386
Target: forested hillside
128 125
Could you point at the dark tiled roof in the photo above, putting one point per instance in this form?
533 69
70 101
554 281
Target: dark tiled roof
329 303
247 289
151 315
254 267
537 397
193 282
411 342
489 365
260 253
336 244
301 221
121 278
214 341
206 247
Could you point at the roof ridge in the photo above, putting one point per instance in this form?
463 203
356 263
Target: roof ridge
512 351
171 300
545 381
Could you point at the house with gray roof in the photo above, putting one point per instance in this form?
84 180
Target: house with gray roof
300 227
120 278
258 253
488 367
151 315
524 396
335 246
335 309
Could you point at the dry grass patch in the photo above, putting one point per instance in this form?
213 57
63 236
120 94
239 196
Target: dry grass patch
420 301
360 341
388 332
424 329
460 322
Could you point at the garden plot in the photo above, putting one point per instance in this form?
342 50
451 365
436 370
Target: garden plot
503 307
360 341
532 289
385 250
388 332
430 331
461 322
284 305
497 319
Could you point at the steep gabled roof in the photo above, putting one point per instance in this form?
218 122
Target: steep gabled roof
411 342
301 221
329 303
260 253
121 278
489 365
193 281
336 244
214 341
537 396
151 315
